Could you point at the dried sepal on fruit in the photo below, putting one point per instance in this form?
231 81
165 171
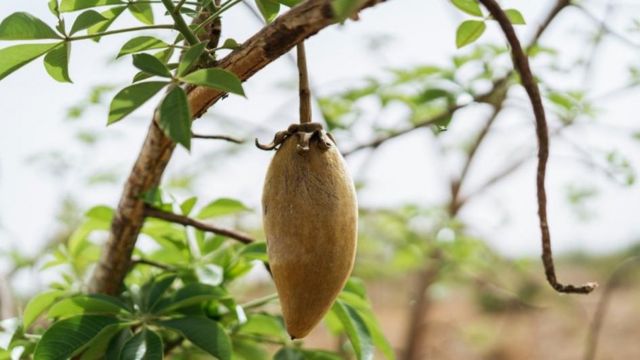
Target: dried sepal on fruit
310 218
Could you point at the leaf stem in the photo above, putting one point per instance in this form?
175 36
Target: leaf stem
304 92
179 6
260 301
120 31
180 24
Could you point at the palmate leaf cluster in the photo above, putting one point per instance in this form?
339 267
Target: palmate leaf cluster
177 296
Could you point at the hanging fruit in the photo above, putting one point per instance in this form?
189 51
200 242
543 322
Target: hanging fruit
310 217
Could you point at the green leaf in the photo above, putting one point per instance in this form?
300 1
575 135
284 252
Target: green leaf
68 337
150 64
356 330
299 354
100 344
204 333
263 324
269 9
249 350
287 353
15 57
56 62
343 9
193 294
38 304
142 12
222 207
141 43
175 117
190 58
86 20
210 274
117 343
24 26
469 31
131 98
470 7
153 290
188 205
230 44
54 8
289 3
86 304
141 75
100 212
354 294
111 15
73 5
216 78
255 251
515 17
145 345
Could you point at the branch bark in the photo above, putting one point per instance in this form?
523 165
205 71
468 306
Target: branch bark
521 63
261 49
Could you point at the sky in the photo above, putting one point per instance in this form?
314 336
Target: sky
36 132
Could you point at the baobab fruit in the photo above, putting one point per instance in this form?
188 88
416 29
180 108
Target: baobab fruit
310 218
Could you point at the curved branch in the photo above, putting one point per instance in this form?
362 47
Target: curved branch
521 63
264 47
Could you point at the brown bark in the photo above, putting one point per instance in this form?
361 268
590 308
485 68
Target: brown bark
264 47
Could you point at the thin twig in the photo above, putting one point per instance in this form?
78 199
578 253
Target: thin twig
305 93
260 301
521 63
382 139
218 137
456 184
187 221
604 27
141 261
591 344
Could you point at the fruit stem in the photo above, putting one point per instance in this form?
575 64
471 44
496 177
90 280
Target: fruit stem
305 92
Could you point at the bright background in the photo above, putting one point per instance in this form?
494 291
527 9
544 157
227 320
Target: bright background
42 163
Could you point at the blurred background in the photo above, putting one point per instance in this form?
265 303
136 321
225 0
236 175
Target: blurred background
449 242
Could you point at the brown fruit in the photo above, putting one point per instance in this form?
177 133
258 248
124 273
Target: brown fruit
310 218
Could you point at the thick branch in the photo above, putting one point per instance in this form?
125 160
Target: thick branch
264 47
187 221
521 63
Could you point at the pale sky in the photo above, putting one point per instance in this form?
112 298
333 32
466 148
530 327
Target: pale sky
405 170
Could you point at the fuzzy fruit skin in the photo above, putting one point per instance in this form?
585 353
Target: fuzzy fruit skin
310 216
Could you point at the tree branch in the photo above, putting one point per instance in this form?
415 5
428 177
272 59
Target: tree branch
427 122
521 63
268 44
218 137
187 221
456 184
141 261
591 344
